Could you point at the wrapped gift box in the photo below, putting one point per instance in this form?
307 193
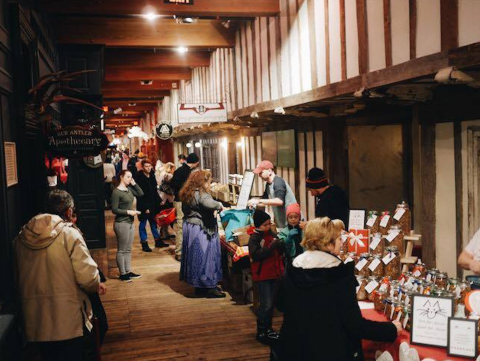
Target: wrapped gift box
358 241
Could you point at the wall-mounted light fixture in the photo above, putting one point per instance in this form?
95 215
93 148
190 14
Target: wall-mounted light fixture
188 145
198 145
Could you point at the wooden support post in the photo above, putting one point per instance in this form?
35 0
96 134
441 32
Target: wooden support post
413 28
457 146
449 24
343 39
387 24
429 185
362 36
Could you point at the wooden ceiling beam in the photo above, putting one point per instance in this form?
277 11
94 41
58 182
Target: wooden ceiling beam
135 85
124 105
159 74
230 8
138 32
126 100
155 58
135 93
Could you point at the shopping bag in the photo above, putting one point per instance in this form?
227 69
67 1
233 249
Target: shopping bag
234 219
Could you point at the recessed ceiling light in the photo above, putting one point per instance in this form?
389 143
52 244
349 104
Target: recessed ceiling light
146 82
182 49
150 16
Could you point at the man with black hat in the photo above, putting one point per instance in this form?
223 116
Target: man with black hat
332 201
179 178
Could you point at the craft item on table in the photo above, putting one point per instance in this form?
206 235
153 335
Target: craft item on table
242 235
373 222
234 219
408 354
358 241
403 217
240 253
385 222
383 356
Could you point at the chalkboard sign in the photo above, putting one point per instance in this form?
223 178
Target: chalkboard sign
247 184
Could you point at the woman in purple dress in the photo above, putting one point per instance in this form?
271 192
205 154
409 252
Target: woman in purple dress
201 254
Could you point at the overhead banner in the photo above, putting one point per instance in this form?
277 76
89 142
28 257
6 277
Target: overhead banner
76 141
201 113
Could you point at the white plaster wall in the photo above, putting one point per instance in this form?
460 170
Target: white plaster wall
334 36
351 38
400 31
293 37
320 31
445 235
376 35
428 27
468 22
306 66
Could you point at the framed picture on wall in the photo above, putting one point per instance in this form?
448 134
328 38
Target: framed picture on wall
269 147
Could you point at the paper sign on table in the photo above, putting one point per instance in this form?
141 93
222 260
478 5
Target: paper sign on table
430 320
462 337
399 214
371 221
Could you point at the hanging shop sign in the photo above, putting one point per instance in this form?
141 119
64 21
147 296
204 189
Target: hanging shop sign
75 141
201 113
181 2
164 131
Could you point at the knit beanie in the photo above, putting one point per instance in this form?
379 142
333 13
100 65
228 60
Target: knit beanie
259 218
192 158
316 179
294 208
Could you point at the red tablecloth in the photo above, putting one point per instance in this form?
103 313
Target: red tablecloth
370 347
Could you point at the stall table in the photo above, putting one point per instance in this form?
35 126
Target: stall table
370 347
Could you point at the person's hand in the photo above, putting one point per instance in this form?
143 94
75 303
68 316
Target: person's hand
132 182
102 288
398 326
253 202
474 266
147 211
133 213
303 224
293 232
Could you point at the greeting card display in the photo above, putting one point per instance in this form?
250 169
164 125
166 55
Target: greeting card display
358 240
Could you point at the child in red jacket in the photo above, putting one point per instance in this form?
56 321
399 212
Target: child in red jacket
267 267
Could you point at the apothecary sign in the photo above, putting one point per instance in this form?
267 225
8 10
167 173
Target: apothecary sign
164 131
72 142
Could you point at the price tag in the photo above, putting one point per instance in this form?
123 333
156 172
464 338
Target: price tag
375 242
373 266
361 264
399 214
371 221
399 316
405 321
384 287
392 236
391 312
417 273
384 221
429 277
388 258
371 286
348 260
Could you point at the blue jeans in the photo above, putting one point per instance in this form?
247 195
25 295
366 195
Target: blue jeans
143 229
266 295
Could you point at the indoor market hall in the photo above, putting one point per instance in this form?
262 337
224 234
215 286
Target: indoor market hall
274 180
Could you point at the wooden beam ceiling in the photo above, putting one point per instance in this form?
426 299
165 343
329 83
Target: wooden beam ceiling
138 32
135 85
230 8
124 105
127 100
155 58
135 93
137 74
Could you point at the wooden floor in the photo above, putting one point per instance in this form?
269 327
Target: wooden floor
155 318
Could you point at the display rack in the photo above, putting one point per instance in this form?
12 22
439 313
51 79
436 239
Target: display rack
409 259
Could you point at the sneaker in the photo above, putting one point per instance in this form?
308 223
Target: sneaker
133 275
214 293
267 337
145 247
125 278
160 244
